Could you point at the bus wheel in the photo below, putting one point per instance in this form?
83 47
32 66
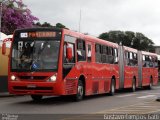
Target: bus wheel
80 91
112 87
133 85
150 84
36 97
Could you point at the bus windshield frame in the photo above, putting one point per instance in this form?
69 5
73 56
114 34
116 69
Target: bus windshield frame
35 54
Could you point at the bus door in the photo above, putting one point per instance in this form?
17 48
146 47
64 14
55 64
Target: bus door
88 69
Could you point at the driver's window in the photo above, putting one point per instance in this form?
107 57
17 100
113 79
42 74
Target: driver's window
69 41
81 50
71 45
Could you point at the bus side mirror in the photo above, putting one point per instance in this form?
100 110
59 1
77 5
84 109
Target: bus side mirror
69 53
3 48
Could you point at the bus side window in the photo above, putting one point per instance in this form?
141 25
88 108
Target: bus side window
135 61
81 50
115 56
71 45
144 59
147 61
104 54
151 61
98 53
130 59
107 54
89 53
127 57
156 62
111 57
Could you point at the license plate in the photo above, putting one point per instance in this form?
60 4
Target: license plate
31 86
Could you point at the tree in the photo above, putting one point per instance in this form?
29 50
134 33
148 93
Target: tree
60 25
15 15
130 39
45 24
141 42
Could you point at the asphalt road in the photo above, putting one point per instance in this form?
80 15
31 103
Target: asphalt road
142 101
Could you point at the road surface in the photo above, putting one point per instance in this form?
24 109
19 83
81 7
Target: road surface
123 102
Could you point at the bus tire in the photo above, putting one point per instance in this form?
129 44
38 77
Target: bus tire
36 97
134 85
150 84
80 91
112 87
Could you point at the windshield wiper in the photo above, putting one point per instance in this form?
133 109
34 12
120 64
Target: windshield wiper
44 46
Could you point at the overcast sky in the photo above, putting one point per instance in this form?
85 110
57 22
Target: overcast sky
98 16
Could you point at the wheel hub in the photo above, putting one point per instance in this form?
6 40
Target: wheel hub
80 90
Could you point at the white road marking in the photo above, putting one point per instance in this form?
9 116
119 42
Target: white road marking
126 95
155 93
146 96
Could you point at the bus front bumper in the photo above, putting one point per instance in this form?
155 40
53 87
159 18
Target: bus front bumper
34 88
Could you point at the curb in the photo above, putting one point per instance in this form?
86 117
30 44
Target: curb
6 94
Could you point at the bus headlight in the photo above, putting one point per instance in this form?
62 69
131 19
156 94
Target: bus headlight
13 77
53 78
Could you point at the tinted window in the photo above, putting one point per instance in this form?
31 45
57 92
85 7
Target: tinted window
115 56
71 45
131 59
98 53
89 53
81 50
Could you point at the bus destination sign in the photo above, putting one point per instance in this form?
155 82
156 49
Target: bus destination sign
37 34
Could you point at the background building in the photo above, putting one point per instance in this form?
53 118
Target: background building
4 64
157 50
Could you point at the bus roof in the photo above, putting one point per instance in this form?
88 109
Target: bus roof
38 29
149 53
130 49
90 38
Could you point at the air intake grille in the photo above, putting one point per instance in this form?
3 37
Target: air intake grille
32 77
28 88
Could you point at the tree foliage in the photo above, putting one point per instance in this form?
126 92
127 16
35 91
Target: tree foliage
15 15
128 38
46 24
60 25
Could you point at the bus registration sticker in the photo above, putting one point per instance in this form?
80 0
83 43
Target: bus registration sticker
24 35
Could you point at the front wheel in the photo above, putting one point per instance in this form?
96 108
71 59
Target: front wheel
36 97
80 91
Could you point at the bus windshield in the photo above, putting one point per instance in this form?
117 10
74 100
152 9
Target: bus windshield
35 55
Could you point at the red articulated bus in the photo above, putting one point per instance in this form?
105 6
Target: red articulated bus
128 67
51 61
